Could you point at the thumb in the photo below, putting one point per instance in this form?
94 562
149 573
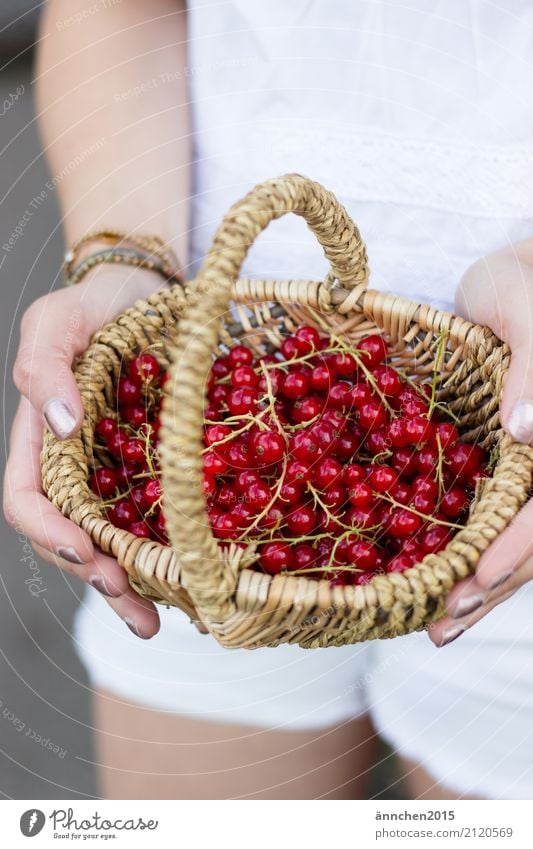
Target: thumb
517 401
50 338
497 292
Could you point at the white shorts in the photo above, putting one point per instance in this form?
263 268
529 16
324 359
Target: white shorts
465 711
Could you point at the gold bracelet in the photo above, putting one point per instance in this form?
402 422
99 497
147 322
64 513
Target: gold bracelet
123 256
150 245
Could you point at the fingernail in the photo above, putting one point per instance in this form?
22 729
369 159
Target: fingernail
98 582
451 634
70 554
467 605
501 579
134 628
59 418
520 424
199 626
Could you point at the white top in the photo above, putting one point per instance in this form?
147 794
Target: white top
418 114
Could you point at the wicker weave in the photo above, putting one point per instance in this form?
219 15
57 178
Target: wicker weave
240 606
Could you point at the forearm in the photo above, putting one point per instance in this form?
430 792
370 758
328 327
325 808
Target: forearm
112 102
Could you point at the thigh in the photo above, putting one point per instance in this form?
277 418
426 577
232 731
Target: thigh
461 715
421 785
148 754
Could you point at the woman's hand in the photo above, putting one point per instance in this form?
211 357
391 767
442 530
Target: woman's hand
498 292
54 330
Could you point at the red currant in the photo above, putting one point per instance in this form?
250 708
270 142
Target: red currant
104 482
308 339
122 514
373 350
153 492
140 529
240 355
290 348
244 376
275 557
343 364
388 381
267 447
402 523
128 391
454 501
144 367
464 459
372 415
322 377
305 556
301 520
242 401
434 538
214 464
363 554
221 367
383 478
360 495
352 474
133 452
296 384
105 428
304 446
326 472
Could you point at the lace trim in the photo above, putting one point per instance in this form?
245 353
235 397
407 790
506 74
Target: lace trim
486 181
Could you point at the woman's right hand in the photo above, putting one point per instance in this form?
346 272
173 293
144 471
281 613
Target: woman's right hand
54 330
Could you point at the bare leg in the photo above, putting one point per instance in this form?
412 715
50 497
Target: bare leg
146 754
422 786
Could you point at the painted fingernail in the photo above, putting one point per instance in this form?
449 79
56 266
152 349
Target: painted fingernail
467 605
70 554
59 418
520 424
501 579
199 626
98 582
134 628
451 634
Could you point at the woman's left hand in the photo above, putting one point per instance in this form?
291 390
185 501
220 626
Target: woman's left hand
498 292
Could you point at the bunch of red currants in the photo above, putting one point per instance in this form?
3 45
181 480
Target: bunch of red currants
331 461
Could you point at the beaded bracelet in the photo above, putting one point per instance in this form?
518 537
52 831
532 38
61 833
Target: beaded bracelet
123 256
151 245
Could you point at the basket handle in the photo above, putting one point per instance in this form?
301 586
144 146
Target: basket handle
209 576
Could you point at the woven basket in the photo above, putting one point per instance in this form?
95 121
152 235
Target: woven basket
240 606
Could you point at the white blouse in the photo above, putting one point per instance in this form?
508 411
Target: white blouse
418 114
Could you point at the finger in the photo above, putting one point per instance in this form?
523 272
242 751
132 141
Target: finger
451 626
446 630
111 581
56 538
138 613
102 572
51 336
504 558
508 551
25 508
488 295
517 401
465 597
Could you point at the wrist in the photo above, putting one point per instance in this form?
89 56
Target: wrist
115 247
123 282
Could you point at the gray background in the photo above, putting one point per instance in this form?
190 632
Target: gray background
43 688
42 684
